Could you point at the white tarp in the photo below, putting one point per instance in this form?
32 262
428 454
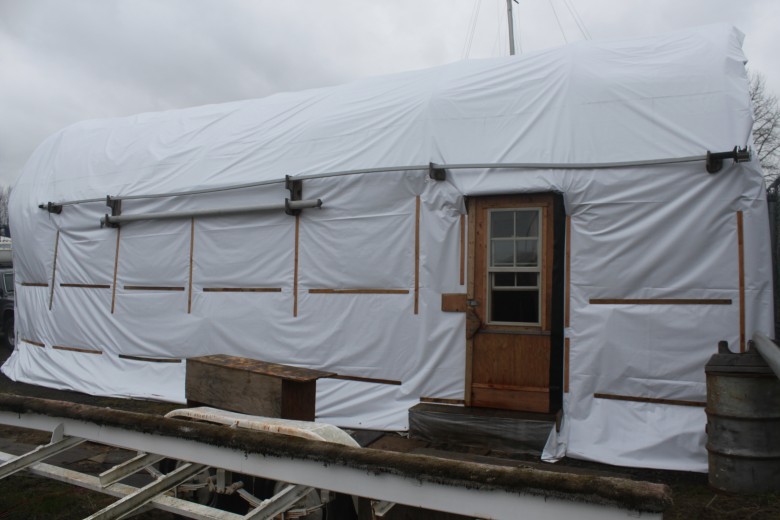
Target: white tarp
663 231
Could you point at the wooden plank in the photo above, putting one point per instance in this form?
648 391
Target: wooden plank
358 291
35 343
510 359
295 270
54 269
86 285
462 249
567 287
242 364
453 302
77 349
741 252
367 380
659 301
152 288
192 252
471 316
116 267
150 359
417 256
653 400
243 289
34 284
521 398
566 358
442 400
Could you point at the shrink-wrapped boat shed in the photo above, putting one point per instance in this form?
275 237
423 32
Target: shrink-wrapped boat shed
531 233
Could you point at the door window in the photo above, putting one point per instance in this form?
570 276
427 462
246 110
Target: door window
514 269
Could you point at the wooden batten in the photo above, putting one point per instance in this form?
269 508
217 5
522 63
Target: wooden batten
659 301
471 234
116 267
567 287
454 302
295 267
34 284
462 249
152 288
741 252
417 256
442 400
366 380
192 252
34 343
566 364
652 400
243 289
86 285
150 359
77 349
358 291
54 269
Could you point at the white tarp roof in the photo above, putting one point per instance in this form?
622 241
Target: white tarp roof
636 232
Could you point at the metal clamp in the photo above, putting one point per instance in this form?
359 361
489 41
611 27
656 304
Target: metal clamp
715 159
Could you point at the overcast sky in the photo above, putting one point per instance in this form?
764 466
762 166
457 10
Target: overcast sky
63 61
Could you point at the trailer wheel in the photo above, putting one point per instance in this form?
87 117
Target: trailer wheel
8 331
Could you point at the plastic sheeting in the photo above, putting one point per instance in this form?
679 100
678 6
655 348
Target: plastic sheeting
664 231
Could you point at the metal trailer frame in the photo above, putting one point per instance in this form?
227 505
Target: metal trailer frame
465 488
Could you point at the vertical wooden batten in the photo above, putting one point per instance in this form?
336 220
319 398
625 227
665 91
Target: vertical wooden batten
567 289
462 249
192 251
567 357
471 212
741 249
295 266
116 268
417 256
54 268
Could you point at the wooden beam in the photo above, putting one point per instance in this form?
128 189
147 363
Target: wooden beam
471 213
652 400
462 249
659 301
54 269
741 252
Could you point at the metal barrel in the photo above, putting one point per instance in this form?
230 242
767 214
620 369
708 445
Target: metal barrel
743 422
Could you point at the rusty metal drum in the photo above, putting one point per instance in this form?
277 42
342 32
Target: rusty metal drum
743 422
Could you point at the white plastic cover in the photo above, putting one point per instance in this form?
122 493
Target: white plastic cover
636 232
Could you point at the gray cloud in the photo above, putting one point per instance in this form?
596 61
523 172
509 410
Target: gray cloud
64 61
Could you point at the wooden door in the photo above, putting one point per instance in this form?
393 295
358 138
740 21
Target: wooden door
510 296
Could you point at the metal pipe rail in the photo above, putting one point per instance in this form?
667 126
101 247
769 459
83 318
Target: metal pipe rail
465 488
769 350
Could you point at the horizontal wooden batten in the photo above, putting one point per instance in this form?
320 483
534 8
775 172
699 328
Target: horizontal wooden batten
660 301
77 349
150 359
86 285
35 284
651 400
152 288
366 380
442 400
513 388
243 289
454 302
31 342
358 291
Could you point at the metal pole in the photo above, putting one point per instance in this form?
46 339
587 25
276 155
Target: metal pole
510 21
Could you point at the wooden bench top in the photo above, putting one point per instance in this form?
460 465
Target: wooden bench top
286 372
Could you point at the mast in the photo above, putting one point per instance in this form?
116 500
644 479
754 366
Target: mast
510 20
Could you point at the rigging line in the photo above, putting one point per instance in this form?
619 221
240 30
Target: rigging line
471 29
577 19
555 12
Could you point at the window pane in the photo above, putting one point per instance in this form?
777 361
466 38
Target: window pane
8 280
527 279
527 223
526 253
501 224
503 279
502 254
515 306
